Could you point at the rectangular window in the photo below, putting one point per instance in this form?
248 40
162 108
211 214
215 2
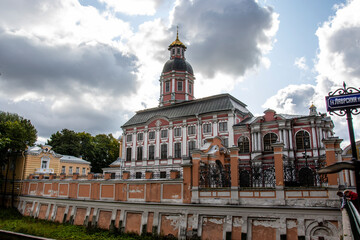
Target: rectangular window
138 175
207 128
44 164
152 135
190 87
140 136
177 147
128 138
164 151
163 174
226 142
164 133
63 169
191 130
151 152
179 85
139 153
191 146
77 170
83 171
177 132
128 154
70 170
167 86
223 126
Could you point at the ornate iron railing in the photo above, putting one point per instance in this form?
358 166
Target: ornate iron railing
257 175
304 174
214 175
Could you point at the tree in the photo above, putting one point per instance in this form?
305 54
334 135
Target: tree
100 150
16 133
66 142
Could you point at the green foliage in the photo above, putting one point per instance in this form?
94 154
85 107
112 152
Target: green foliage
100 150
16 133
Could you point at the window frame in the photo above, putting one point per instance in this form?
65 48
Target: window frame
139 153
245 145
162 135
151 153
128 154
190 132
208 127
179 86
177 150
140 136
177 132
267 142
223 126
150 135
301 140
163 151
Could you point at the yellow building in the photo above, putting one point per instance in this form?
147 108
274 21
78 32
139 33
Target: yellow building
43 160
40 161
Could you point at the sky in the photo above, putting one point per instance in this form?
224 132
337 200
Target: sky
89 65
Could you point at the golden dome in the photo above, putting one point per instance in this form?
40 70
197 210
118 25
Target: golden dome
177 42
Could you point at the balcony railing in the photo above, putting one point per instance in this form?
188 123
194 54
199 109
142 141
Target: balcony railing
44 170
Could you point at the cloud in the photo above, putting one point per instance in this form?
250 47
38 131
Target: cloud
230 37
133 7
338 61
294 99
65 72
301 63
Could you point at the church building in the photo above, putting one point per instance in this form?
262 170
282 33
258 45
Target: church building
159 140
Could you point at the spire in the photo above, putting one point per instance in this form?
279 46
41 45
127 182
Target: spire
177 42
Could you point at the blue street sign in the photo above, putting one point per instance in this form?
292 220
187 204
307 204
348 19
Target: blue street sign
339 102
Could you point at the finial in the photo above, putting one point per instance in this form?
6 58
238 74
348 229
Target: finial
177 32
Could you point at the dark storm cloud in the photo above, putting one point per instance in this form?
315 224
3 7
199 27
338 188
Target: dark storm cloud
28 65
225 36
69 79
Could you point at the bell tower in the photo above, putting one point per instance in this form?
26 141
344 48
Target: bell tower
177 77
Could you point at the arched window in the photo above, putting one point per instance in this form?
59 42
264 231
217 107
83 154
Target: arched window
269 139
302 140
243 144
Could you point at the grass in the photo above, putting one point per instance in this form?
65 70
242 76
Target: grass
12 220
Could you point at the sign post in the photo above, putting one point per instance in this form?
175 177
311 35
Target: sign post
345 101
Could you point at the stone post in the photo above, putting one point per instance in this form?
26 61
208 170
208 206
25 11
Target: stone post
234 168
187 180
196 157
279 163
332 146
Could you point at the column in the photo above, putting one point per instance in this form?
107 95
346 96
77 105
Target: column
281 139
184 138
314 138
231 122
133 148
253 147
157 143
199 136
196 157
145 150
186 89
171 141
286 140
214 128
259 141
123 156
